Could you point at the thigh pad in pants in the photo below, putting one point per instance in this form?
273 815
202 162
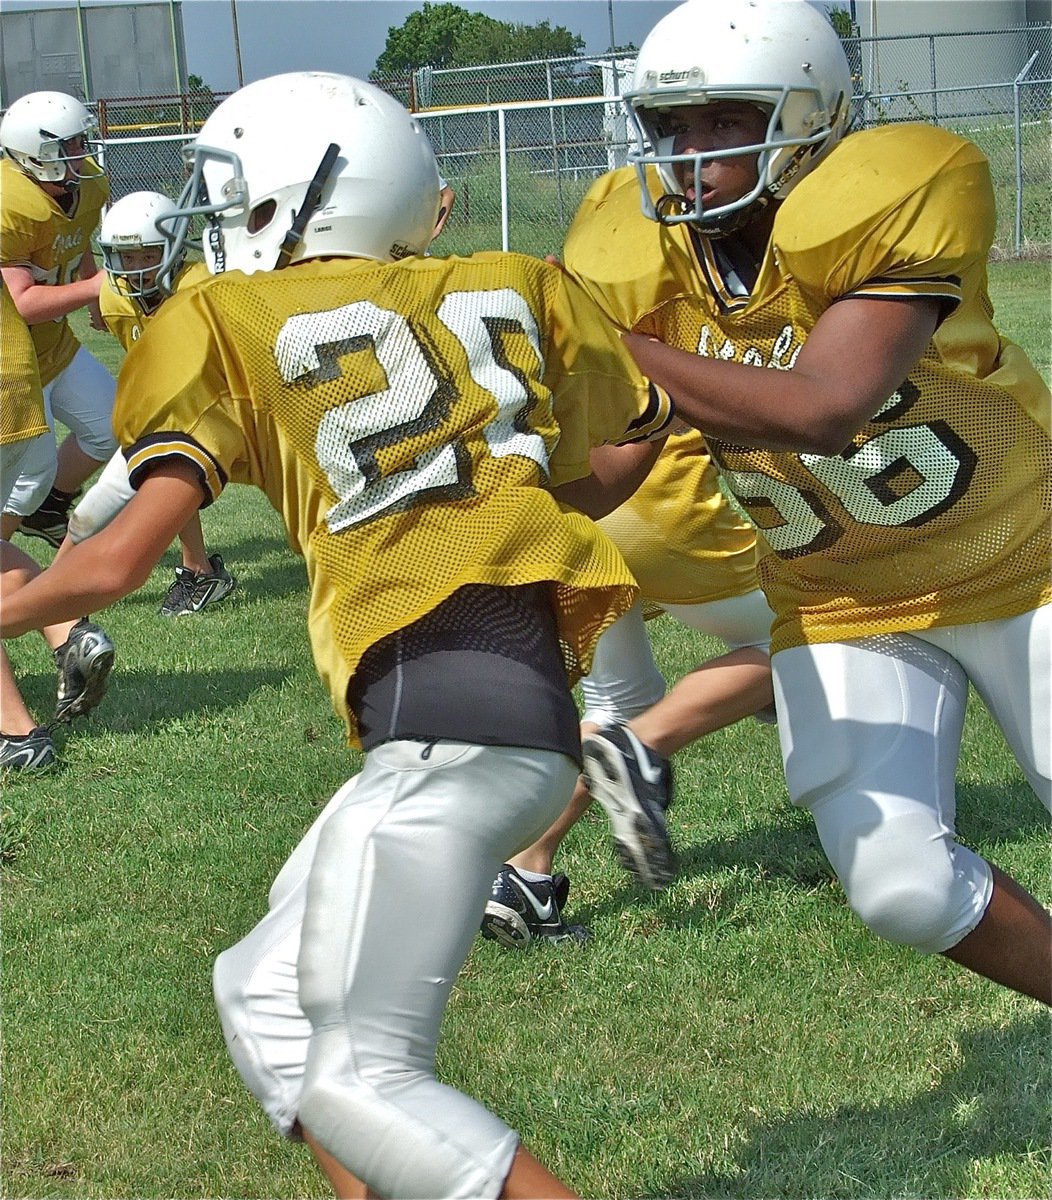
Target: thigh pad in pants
870 734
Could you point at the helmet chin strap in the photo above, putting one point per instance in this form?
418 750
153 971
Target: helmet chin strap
734 222
672 205
311 200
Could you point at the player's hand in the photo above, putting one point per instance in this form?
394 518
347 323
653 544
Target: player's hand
95 315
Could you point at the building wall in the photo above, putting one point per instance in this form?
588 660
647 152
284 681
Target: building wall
91 53
946 61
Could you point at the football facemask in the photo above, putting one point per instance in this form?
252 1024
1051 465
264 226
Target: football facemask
134 247
53 138
308 165
779 55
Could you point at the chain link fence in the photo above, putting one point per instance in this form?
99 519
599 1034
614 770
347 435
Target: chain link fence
521 142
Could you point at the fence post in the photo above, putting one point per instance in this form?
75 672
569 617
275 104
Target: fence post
502 146
934 81
1018 134
555 146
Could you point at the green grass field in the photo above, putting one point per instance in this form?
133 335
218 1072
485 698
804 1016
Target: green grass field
740 1035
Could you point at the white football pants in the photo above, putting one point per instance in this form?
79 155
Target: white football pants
871 734
103 500
11 456
625 679
256 982
81 397
403 861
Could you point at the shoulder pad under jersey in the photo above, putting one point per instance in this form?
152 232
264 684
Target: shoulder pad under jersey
627 262
896 202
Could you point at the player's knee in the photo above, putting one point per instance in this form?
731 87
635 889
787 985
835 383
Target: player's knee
929 908
620 700
18 577
81 526
99 444
228 985
335 1102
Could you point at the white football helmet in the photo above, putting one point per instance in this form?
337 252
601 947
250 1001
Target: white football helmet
36 131
781 55
130 224
309 165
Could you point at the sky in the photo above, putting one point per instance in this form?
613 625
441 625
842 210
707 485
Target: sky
349 35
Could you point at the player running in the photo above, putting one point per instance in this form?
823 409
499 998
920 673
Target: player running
133 248
893 447
52 191
407 416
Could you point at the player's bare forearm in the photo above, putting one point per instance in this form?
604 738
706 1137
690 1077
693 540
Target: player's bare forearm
113 563
88 266
39 302
859 352
725 400
617 471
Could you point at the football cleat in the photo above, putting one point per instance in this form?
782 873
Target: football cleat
33 751
521 909
634 786
192 591
51 519
84 663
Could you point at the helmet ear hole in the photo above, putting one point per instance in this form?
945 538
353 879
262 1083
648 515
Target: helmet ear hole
261 216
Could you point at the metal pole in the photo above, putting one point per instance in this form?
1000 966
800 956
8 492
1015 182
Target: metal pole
1018 132
85 72
237 44
180 73
934 81
555 146
502 146
610 15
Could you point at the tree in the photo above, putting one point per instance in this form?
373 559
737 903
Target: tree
840 19
195 85
199 101
497 41
446 35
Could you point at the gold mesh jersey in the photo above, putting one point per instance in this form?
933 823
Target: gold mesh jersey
123 316
682 540
404 419
21 398
937 513
36 233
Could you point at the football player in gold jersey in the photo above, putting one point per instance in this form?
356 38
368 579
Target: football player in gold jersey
409 417
133 249
52 191
894 449
83 652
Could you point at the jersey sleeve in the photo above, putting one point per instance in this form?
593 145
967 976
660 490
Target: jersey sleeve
895 212
22 222
176 398
599 395
21 398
